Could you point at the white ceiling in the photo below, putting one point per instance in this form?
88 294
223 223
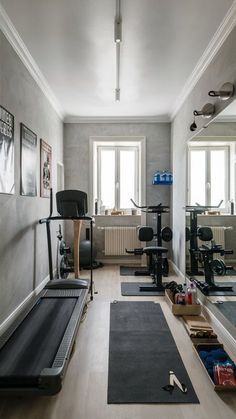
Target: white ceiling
72 42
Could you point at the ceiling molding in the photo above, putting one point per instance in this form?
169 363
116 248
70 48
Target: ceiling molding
20 48
225 118
213 47
116 119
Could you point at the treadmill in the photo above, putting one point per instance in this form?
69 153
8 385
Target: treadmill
35 350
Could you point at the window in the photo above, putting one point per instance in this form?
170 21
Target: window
209 175
117 176
117 167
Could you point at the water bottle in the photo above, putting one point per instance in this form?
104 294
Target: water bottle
191 295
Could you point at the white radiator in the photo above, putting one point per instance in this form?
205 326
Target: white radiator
117 239
219 235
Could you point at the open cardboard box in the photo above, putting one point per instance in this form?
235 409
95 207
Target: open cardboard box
207 346
182 310
211 338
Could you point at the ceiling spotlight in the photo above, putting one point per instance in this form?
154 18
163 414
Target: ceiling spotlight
207 111
193 126
226 92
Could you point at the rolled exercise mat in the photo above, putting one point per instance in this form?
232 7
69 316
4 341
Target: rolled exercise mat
142 351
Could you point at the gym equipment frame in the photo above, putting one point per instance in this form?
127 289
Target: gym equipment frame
158 265
205 253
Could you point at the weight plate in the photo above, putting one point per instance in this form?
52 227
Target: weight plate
166 234
205 234
218 267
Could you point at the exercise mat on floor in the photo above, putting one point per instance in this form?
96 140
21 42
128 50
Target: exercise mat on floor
130 270
142 351
131 289
228 309
221 293
230 272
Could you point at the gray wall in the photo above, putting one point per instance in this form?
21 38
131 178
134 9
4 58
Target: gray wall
221 69
76 155
23 252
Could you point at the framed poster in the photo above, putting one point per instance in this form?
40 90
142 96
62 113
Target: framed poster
7 182
45 169
28 162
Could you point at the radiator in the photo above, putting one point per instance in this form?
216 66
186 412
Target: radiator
117 239
219 235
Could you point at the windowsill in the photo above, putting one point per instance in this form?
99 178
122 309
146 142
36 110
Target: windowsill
116 216
217 215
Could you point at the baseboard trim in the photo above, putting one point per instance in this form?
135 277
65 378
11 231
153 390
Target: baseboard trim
177 270
10 319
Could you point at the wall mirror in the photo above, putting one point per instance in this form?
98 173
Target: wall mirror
211 214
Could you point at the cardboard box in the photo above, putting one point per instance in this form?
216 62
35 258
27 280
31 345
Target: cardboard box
212 338
201 347
182 310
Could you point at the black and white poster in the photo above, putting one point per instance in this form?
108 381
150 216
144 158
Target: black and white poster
7 182
28 162
45 169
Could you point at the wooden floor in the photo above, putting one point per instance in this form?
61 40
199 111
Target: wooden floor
84 394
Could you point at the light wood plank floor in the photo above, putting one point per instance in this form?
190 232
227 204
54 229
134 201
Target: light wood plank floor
84 394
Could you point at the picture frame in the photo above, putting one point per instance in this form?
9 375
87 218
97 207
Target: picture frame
7 173
28 156
45 169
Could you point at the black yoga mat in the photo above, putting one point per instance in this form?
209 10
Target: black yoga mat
231 272
228 309
131 289
130 270
221 293
141 353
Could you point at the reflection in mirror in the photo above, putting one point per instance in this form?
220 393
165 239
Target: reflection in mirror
211 213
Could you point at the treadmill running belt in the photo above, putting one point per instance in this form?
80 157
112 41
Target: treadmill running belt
34 344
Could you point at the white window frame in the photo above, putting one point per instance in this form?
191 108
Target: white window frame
117 149
129 142
208 149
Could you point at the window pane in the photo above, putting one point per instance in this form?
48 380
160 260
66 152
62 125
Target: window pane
127 177
108 178
197 177
218 177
